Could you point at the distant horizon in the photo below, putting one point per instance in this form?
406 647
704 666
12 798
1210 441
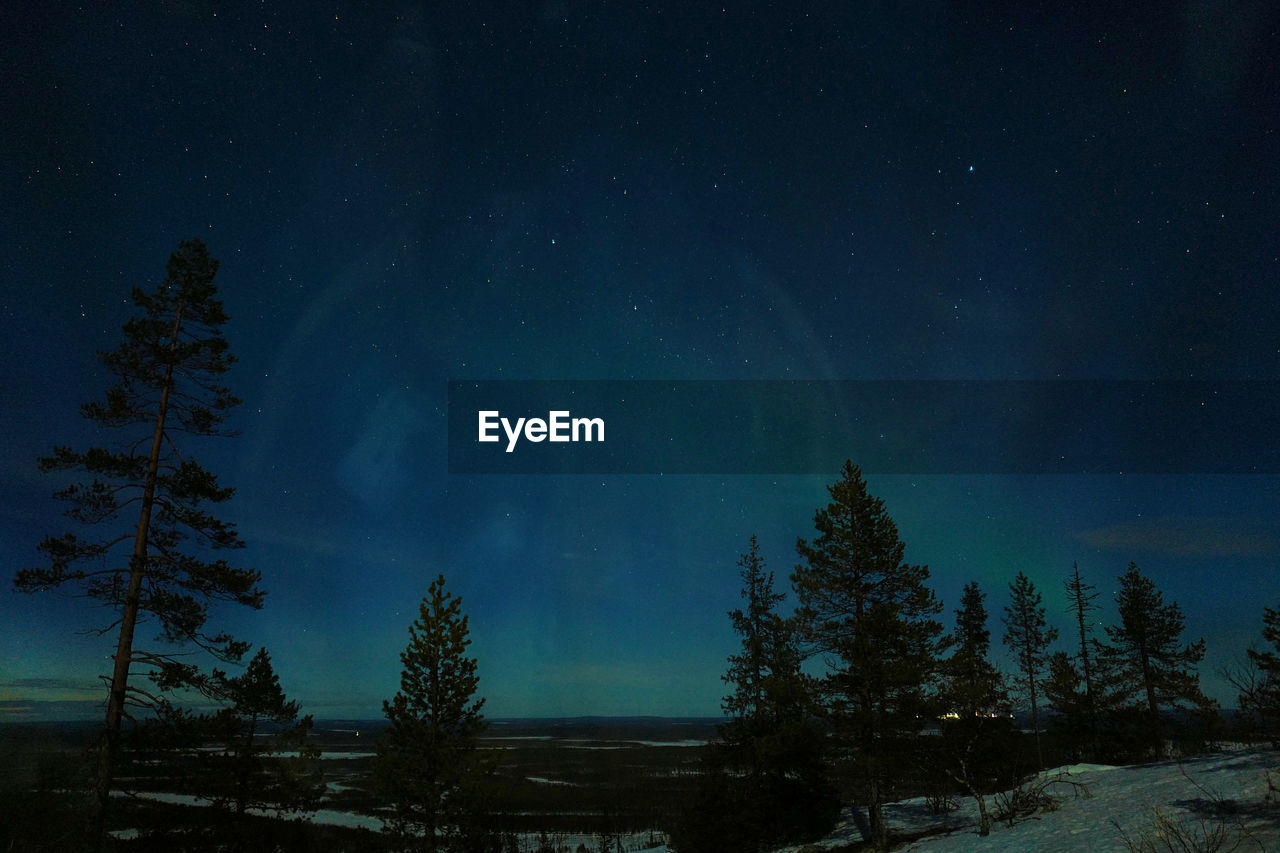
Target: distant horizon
686 718
5 719
78 712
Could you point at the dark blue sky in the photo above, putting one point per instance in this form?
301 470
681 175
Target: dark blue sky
403 194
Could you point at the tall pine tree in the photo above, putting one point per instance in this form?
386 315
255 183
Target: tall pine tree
149 496
1028 636
428 763
872 615
1145 658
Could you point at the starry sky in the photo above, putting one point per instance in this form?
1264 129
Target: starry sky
404 194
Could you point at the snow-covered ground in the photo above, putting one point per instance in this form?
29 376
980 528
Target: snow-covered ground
1225 793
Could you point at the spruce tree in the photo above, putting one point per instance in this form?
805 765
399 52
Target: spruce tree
1066 693
765 783
1145 658
974 687
871 614
976 728
764 639
428 763
1028 636
149 496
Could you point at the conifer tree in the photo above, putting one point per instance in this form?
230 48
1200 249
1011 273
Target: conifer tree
149 497
259 723
1028 636
1261 695
977 727
871 613
428 763
1065 692
974 687
1145 657
764 640
251 755
1080 597
765 783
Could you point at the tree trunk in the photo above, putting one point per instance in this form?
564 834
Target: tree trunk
1153 707
129 617
245 770
965 779
984 816
871 745
875 815
1035 717
1085 665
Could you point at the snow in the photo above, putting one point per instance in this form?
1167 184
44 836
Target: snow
1100 806
632 743
542 780
328 816
335 755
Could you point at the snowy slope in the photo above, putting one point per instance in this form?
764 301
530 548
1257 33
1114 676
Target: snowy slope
1218 793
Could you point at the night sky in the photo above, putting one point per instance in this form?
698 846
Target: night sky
403 194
